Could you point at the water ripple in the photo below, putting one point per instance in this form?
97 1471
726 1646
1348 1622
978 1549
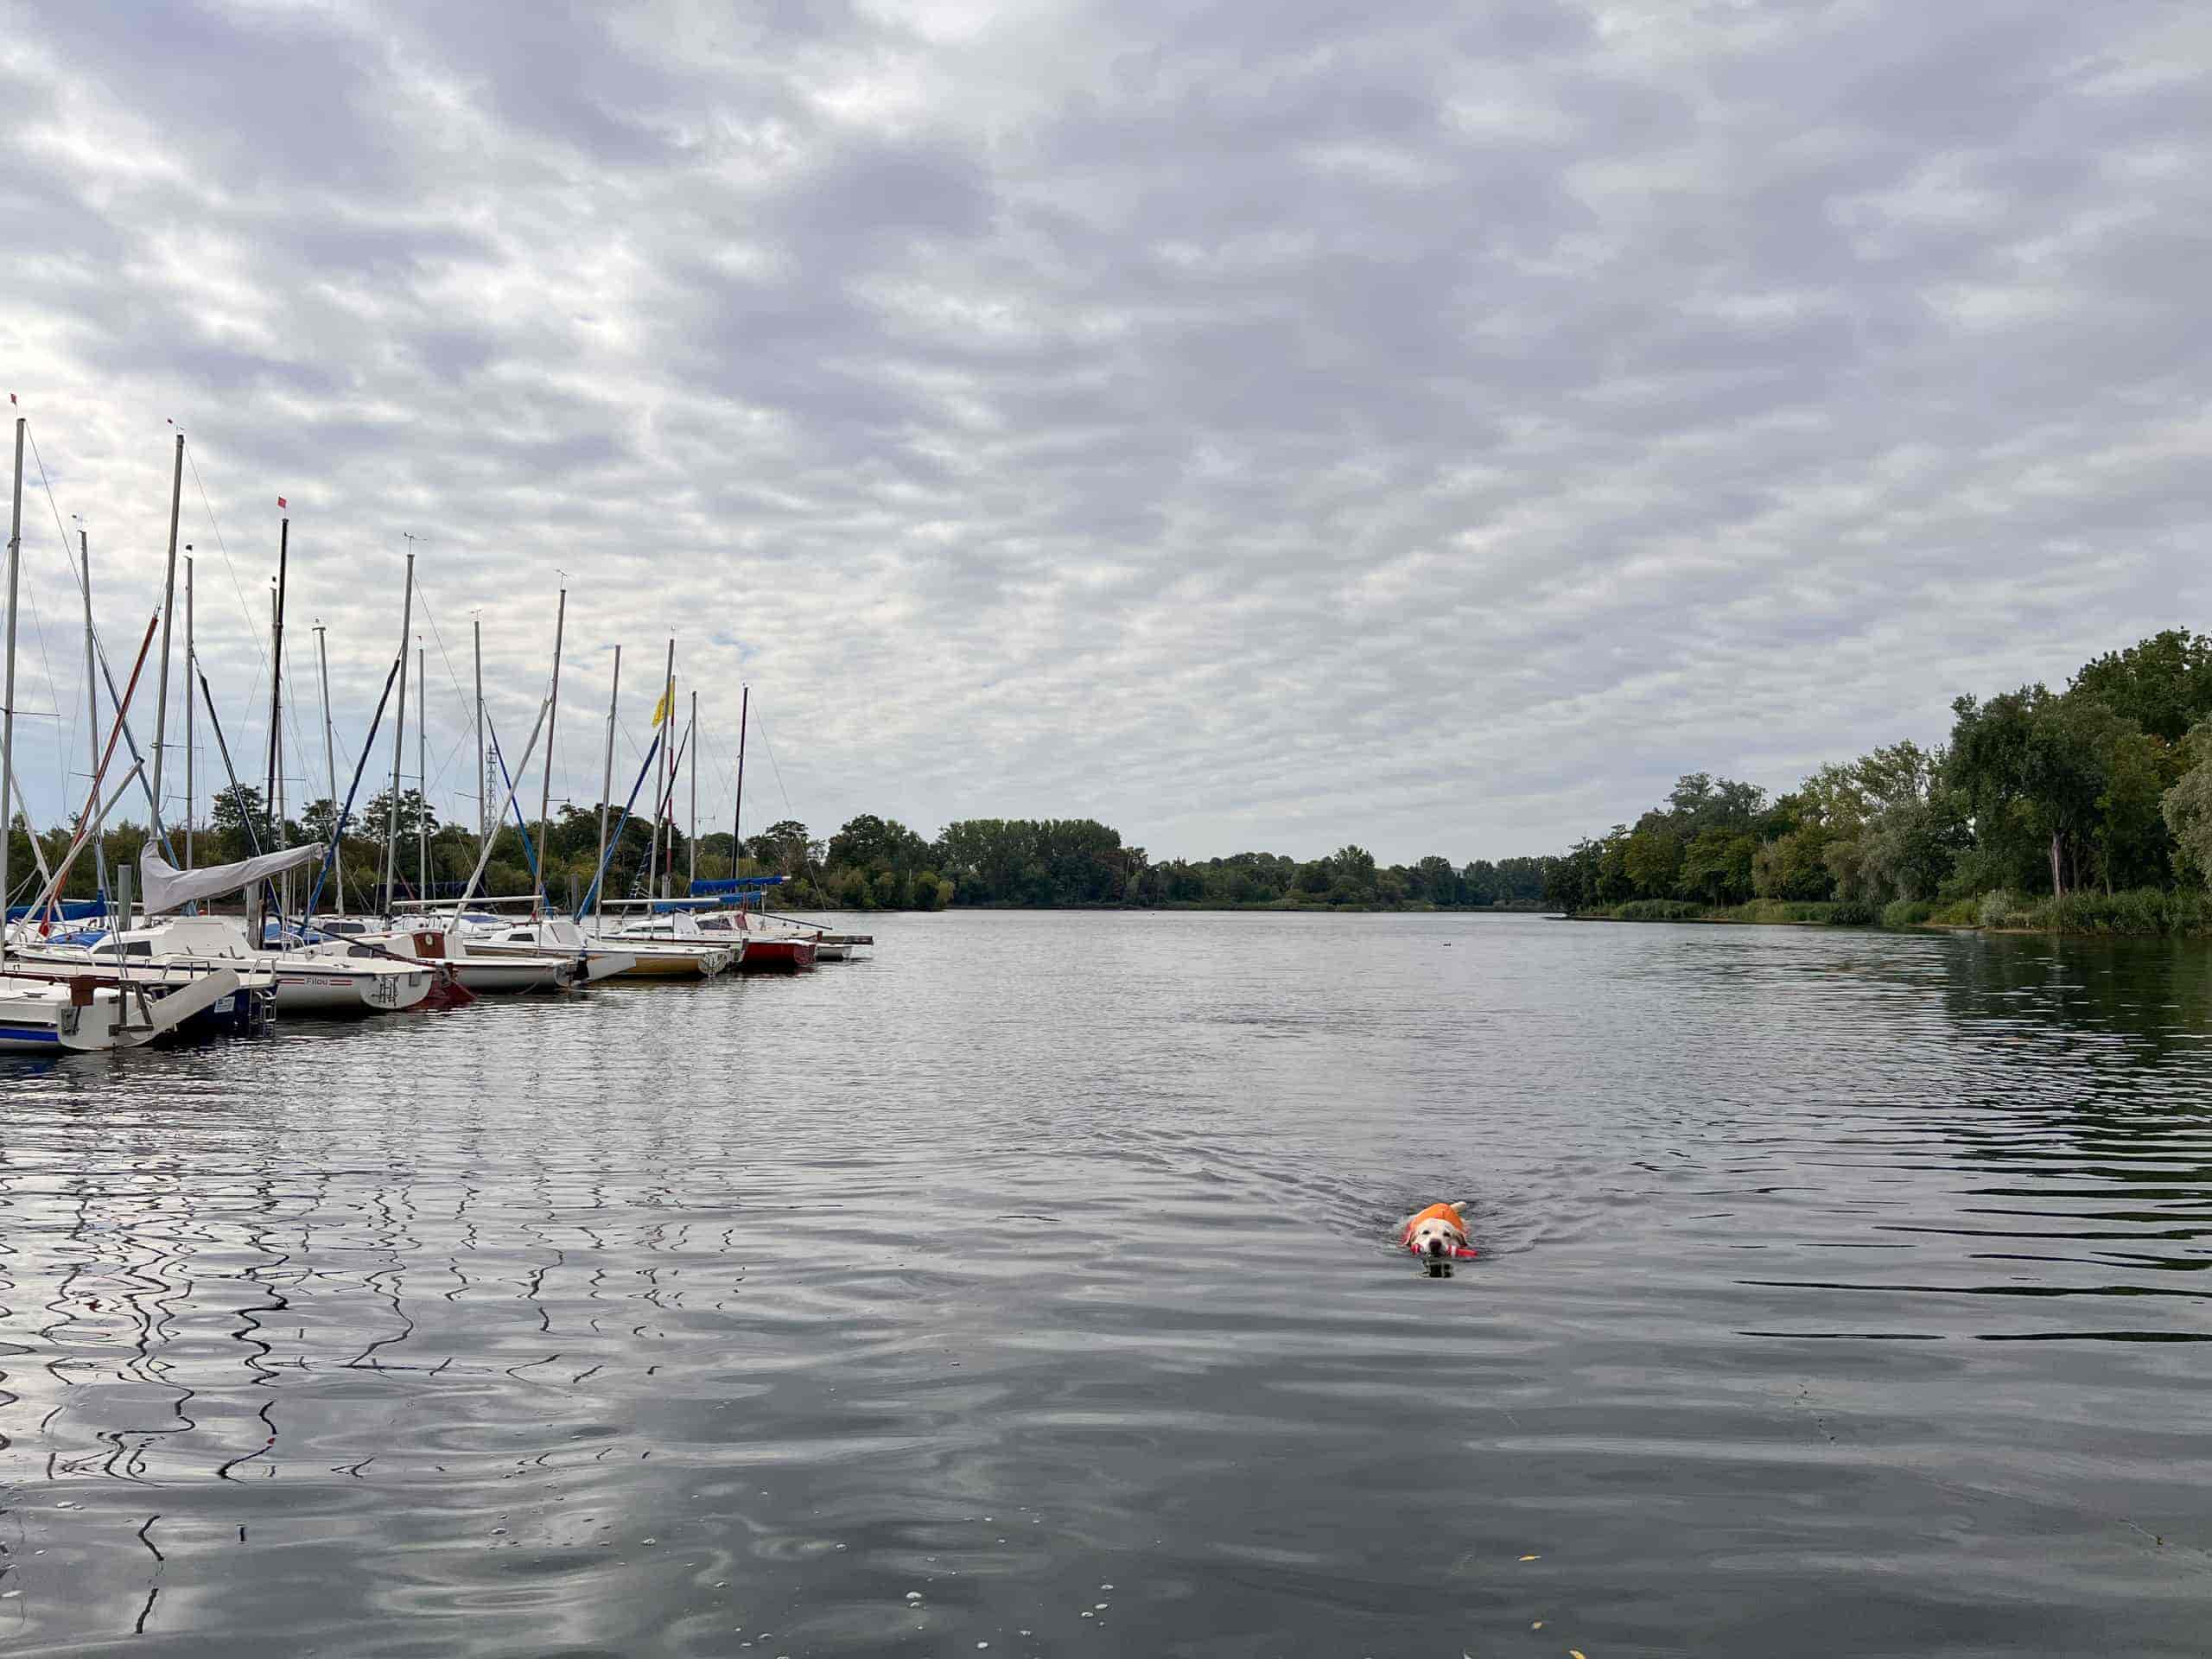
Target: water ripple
1032 1284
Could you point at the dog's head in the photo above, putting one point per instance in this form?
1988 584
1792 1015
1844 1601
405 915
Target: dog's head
1435 1237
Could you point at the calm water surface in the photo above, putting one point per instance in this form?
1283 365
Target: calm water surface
1031 1286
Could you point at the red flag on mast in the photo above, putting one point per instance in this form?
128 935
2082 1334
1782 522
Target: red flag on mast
280 502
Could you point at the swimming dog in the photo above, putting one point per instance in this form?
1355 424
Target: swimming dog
1437 1232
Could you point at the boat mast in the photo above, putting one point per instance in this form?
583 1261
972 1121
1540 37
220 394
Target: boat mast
666 710
606 779
737 813
398 734
329 752
545 791
695 794
191 667
8 695
483 796
92 707
272 800
423 777
169 600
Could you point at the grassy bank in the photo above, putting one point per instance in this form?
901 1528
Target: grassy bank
2148 913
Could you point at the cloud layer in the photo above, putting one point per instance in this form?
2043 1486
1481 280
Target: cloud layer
1430 426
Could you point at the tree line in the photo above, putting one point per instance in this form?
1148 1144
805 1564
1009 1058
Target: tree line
2087 806
871 863
874 862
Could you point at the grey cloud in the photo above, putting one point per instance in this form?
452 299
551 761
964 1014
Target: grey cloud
1257 428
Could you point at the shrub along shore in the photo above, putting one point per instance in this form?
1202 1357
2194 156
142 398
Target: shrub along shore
2145 911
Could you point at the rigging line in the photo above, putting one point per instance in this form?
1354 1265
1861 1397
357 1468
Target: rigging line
774 767
467 701
440 770
446 766
69 555
223 547
245 609
38 627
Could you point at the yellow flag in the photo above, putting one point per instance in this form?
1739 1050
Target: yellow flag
660 709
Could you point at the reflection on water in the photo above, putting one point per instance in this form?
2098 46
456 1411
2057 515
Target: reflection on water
1031 1284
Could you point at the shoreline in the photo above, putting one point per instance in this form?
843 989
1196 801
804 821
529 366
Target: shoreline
1877 925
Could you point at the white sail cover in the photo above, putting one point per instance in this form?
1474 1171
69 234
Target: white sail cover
161 888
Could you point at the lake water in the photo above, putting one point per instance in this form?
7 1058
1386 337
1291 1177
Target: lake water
1032 1286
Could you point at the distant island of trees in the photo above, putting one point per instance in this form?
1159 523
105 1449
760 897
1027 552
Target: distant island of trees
2084 809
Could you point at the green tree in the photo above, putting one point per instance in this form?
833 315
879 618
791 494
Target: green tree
1794 865
415 816
2032 765
2187 806
868 842
1652 859
242 823
1910 848
785 848
2163 684
1717 866
1352 876
1436 882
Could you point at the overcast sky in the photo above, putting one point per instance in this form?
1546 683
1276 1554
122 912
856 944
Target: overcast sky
1434 426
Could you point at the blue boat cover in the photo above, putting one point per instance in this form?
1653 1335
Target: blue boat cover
73 910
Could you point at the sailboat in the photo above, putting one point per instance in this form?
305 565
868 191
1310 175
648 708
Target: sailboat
81 1012
329 978
670 953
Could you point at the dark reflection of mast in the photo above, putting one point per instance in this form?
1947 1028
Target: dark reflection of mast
263 1375
7 1350
146 1298
395 1240
154 1580
62 1305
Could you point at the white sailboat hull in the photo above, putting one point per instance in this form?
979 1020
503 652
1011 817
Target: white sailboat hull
41 1018
305 986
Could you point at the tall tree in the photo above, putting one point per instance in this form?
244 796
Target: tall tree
2163 684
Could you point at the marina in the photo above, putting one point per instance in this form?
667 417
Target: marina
124 956
922 832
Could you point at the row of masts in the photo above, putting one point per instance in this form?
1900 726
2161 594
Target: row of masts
665 758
